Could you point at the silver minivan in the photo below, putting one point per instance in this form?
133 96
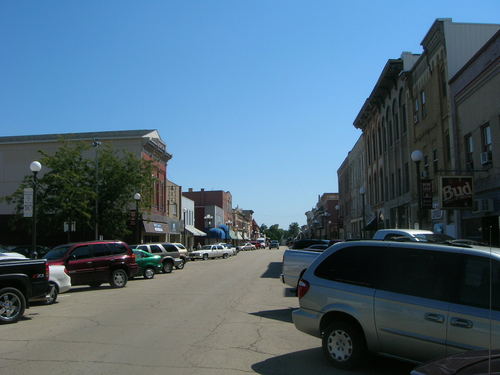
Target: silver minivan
415 301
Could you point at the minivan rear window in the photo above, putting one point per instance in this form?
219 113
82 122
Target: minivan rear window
352 265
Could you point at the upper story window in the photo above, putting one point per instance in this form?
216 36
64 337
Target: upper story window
469 152
416 111
486 144
395 119
402 112
423 102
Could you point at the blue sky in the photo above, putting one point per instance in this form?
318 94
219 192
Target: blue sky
255 97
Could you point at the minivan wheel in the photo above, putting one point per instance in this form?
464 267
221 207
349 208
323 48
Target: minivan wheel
344 344
119 278
51 296
12 305
148 273
180 266
167 267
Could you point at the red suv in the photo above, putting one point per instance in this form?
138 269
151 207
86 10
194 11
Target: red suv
95 262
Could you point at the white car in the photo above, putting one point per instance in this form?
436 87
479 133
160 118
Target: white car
210 251
59 281
230 247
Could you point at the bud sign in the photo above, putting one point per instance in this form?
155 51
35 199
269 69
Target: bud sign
456 192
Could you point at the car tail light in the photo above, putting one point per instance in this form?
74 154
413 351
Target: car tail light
132 256
302 288
47 271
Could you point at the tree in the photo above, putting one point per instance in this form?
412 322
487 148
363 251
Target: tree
293 230
67 192
263 228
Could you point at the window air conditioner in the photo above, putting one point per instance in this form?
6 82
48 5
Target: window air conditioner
485 157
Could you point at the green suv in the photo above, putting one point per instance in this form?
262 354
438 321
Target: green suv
148 263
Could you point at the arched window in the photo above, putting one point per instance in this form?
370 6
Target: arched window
384 135
381 176
389 124
395 119
402 111
379 130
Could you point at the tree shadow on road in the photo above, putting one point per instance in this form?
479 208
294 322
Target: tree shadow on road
273 271
312 361
284 315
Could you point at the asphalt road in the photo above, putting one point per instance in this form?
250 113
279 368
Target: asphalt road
225 316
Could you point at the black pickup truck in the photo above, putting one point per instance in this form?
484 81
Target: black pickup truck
20 280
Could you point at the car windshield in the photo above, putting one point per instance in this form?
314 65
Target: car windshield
206 247
56 253
434 237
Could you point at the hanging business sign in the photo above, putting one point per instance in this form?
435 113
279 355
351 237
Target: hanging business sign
426 193
455 192
28 202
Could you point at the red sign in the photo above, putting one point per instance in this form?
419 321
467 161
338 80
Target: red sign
456 192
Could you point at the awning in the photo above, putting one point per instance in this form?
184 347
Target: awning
195 231
232 234
238 236
150 227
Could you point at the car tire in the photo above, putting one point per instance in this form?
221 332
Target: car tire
12 305
51 296
181 265
205 256
167 267
119 278
344 344
225 256
148 273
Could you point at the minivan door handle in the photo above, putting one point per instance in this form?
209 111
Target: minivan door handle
438 318
463 323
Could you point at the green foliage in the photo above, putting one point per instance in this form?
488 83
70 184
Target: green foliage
67 190
274 232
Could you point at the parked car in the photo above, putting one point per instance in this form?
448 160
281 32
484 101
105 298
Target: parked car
210 251
27 251
95 262
247 246
149 264
413 300
232 249
274 244
296 261
473 362
257 244
59 282
417 235
20 281
170 256
7 252
183 253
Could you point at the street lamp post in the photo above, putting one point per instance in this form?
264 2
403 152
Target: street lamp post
137 197
362 193
184 210
417 156
35 167
96 144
